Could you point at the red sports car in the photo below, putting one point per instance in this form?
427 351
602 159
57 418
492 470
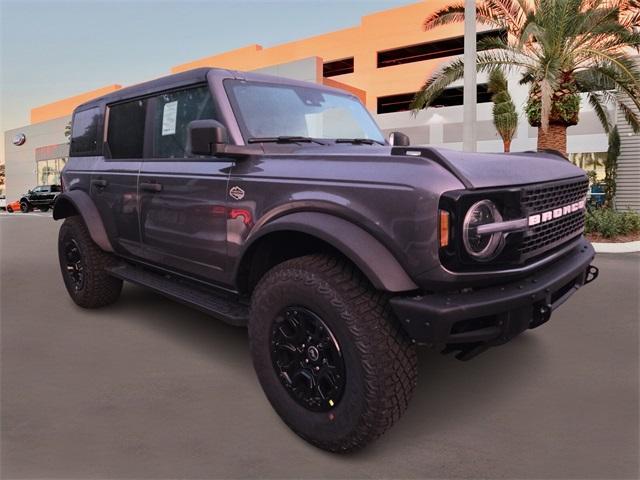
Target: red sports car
13 206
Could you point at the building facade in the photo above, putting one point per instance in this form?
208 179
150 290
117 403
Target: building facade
384 60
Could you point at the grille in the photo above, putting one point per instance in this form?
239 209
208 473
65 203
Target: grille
541 198
548 235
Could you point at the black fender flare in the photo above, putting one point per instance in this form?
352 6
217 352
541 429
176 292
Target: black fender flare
373 259
77 202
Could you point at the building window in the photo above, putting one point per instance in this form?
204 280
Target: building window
429 50
338 67
590 161
48 171
450 97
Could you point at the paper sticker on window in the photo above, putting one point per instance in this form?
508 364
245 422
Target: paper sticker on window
169 117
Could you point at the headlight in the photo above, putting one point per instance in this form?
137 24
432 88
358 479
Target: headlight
482 247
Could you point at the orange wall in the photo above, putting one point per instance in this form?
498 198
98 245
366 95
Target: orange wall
65 107
384 30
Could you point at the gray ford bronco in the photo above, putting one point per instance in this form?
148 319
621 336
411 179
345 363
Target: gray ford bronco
279 205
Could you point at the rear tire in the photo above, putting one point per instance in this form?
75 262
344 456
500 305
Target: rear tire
83 265
379 360
9 209
44 208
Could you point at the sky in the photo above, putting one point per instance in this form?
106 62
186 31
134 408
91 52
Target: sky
54 49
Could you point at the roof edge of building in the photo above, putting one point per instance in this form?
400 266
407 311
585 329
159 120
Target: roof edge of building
63 107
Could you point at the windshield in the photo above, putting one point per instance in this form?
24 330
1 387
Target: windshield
266 110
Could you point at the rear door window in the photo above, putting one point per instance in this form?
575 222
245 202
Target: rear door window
172 113
84 133
125 132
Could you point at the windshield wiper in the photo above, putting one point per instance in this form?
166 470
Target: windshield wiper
284 139
359 141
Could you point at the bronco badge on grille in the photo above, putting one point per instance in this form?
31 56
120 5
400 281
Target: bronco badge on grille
556 213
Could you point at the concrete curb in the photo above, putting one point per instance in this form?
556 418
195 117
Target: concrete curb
627 247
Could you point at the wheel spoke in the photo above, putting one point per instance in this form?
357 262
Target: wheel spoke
307 359
74 264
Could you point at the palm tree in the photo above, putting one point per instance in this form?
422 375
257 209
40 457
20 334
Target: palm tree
561 48
505 117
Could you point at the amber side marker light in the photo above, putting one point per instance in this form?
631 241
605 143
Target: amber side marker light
444 228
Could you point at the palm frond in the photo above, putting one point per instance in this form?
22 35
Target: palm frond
454 71
596 101
630 116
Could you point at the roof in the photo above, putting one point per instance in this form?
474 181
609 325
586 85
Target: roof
163 83
190 77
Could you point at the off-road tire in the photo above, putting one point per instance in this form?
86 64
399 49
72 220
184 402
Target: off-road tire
25 207
380 360
43 208
99 288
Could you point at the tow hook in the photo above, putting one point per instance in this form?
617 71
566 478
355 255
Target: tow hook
592 274
541 314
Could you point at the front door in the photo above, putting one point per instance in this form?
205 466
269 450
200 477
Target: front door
183 211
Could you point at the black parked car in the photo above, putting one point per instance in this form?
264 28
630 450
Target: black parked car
280 206
42 197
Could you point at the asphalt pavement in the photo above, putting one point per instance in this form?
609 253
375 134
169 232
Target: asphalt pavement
148 388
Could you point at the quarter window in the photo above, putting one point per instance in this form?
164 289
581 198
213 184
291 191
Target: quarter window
125 135
84 133
173 112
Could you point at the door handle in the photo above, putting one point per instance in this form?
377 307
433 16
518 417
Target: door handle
151 187
99 183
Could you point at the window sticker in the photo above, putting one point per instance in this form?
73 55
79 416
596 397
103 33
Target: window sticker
169 117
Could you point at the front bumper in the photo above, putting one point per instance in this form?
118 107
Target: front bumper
471 321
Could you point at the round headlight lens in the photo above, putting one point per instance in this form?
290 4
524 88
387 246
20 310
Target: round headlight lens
486 246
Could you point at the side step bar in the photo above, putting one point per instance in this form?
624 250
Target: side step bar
225 308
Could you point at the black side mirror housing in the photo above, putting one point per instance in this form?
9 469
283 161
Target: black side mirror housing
206 137
399 139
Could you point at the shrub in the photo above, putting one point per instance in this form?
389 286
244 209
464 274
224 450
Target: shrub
610 223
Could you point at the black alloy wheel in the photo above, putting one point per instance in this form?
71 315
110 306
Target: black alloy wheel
307 359
74 264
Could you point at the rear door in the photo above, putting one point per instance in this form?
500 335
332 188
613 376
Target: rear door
183 211
114 180
35 197
47 194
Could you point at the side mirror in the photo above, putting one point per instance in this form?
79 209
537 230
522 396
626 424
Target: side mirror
206 137
399 139
29 191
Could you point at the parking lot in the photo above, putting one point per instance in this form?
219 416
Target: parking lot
148 388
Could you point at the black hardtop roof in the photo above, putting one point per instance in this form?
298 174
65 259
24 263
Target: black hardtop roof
163 83
190 77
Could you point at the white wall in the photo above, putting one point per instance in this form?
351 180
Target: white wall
443 126
20 169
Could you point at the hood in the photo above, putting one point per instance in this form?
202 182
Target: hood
473 170
484 170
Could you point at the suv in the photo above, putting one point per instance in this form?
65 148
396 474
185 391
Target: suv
42 197
278 205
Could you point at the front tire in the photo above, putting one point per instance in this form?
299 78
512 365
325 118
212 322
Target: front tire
25 207
331 357
83 265
44 208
